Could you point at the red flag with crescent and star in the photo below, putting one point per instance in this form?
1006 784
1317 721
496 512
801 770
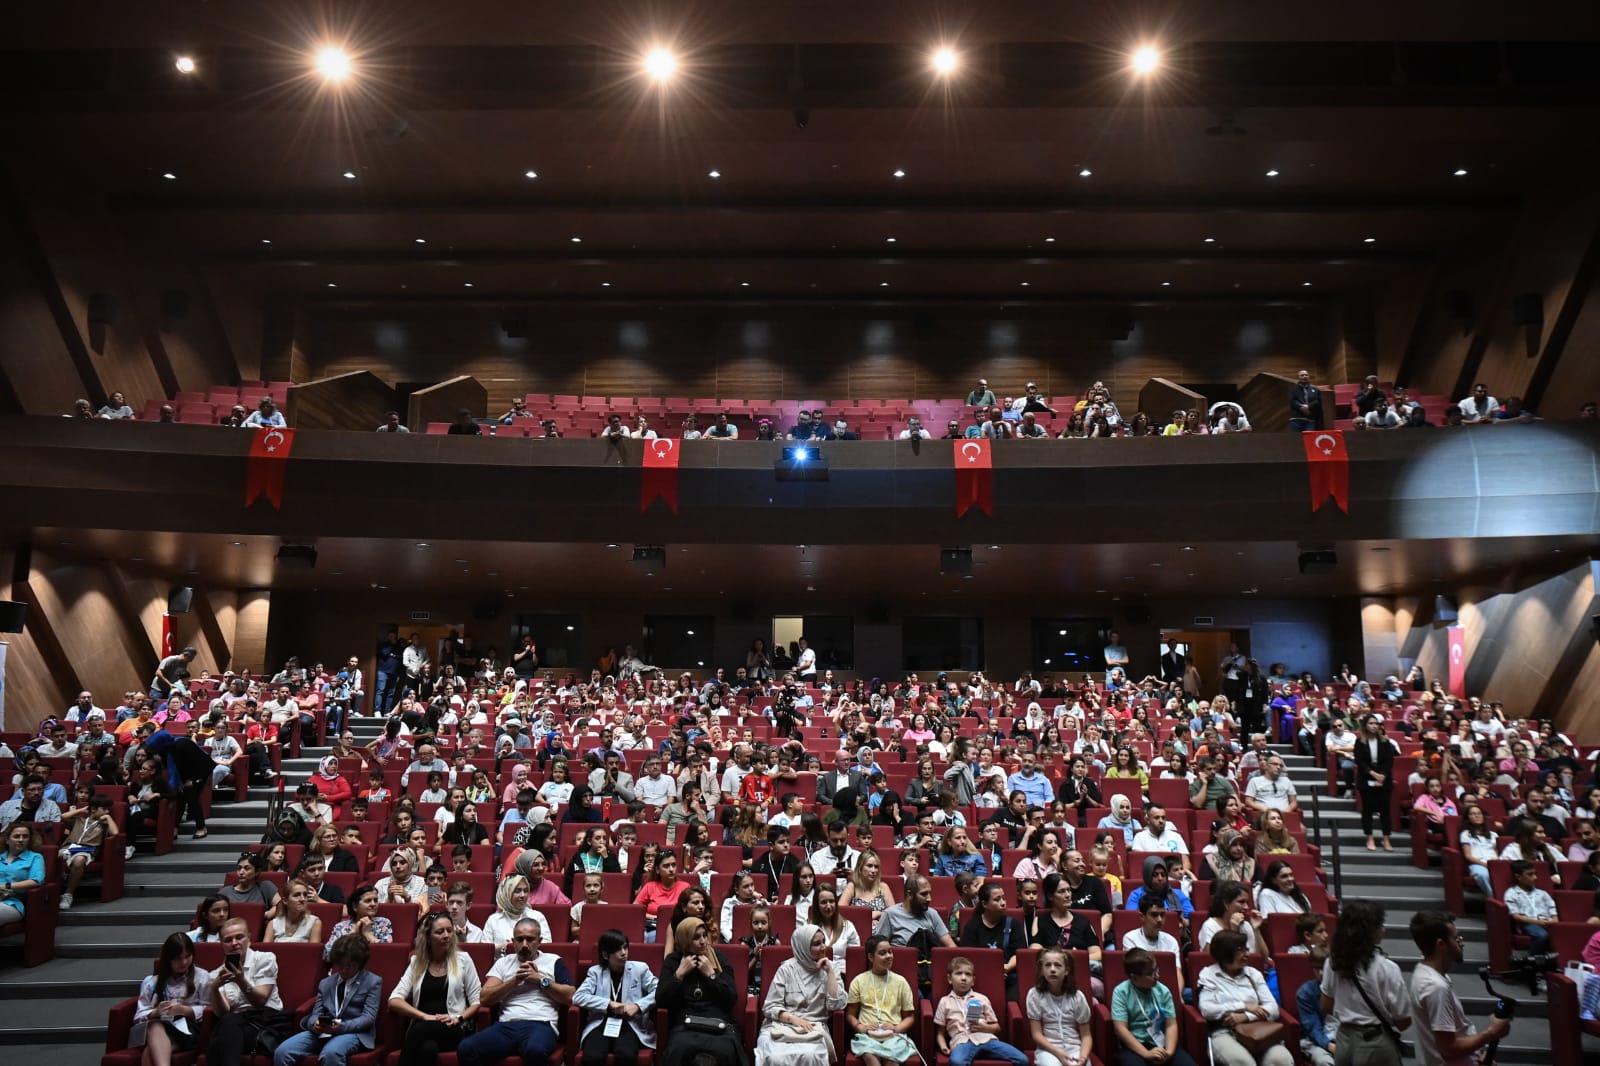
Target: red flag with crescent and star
1456 639
660 478
269 460
974 476
1328 468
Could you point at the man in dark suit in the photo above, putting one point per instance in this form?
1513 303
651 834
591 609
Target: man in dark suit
1172 663
345 1017
1305 405
845 774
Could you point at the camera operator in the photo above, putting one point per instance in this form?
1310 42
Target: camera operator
1444 1035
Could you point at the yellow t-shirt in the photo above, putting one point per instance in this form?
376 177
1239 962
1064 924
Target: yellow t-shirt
884 1000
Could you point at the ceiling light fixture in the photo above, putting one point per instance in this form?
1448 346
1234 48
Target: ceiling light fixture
466 284
1461 172
422 240
1305 284
888 240
660 64
185 64
349 175
605 284
899 173
1049 240
1369 240
1210 240
714 174
530 174
1166 284
744 284
1145 61
944 60
169 175
333 285
333 63
266 240
883 284
1085 172
1272 173
577 240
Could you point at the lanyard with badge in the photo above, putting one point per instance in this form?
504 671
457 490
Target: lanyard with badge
613 1027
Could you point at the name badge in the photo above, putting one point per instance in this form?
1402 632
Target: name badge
613 1027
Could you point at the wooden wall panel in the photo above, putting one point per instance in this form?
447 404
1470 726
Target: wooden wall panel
1160 398
252 614
355 400
34 361
439 403
830 356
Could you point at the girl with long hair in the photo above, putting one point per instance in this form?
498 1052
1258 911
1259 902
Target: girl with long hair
840 934
171 1001
661 890
362 918
1279 894
296 925
1058 1013
800 890
1358 971
866 887
209 918
1273 836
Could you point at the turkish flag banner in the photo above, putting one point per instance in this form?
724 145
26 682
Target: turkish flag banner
974 476
268 461
1456 639
166 635
660 480
1328 468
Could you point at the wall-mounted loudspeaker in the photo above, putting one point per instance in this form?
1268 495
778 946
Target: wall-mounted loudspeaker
180 600
13 616
1444 610
1527 309
102 308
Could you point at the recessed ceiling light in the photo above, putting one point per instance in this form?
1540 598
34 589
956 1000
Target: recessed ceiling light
714 174
1210 240
660 64
1272 173
1305 284
169 175
1085 172
576 240
333 285
1369 240
944 60
422 240
1187 548
423 544
883 284
1166 284
1025 284
1146 60
349 175
266 240
333 63
888 240
530 174
232 543
1461 172
605 284
466 284
185 64
744 284
899 173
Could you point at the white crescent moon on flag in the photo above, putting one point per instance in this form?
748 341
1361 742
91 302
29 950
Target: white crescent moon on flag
1455 654
977 450
661 447
272 445
1316 442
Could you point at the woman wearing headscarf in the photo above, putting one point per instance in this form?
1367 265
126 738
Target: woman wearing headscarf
697 992
1157 882
801 999
582 808
332 788
1121 818
847 809
1231 861
519 781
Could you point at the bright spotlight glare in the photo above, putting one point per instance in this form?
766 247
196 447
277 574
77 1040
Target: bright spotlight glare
185 64
660 64
1146 60
945 61
333 63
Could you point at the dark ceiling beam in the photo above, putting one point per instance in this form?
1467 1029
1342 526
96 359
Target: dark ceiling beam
1091 306
888 255
399 23
374 205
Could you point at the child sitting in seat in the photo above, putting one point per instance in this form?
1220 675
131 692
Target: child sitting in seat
968 1026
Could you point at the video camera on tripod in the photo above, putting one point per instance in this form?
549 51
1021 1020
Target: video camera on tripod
1530 969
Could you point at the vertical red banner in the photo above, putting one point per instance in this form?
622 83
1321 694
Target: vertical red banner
660 478
1328 468
166 635
1458 660
974 476
268 461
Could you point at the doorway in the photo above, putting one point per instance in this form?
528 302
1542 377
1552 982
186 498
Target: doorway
1205 648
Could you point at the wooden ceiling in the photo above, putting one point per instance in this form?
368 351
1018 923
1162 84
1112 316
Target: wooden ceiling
834 573
1364 111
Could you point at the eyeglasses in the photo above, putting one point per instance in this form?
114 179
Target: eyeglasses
525 939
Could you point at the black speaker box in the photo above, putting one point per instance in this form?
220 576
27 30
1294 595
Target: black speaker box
1444 610
1527 309
102 308
13 615
180 600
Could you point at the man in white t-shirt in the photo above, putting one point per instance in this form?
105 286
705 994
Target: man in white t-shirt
805 666
1158 835
1444 1036
533 989
1271 789
655 787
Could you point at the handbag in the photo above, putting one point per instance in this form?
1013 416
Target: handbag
1388 1030
704 1023
1259 1037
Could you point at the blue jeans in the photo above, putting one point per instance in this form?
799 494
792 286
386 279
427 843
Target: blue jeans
387 694
1538 938
963 1053
534 1041
331 1052
1480 874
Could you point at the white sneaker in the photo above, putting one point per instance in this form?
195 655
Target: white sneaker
66 901
127 852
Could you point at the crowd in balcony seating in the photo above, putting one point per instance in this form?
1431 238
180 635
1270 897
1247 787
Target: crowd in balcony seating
787 850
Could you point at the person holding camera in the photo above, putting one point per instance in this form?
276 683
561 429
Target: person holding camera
345 1017
533 989
1444 1035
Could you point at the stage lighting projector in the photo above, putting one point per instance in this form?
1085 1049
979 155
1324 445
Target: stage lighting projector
649 559
802 461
